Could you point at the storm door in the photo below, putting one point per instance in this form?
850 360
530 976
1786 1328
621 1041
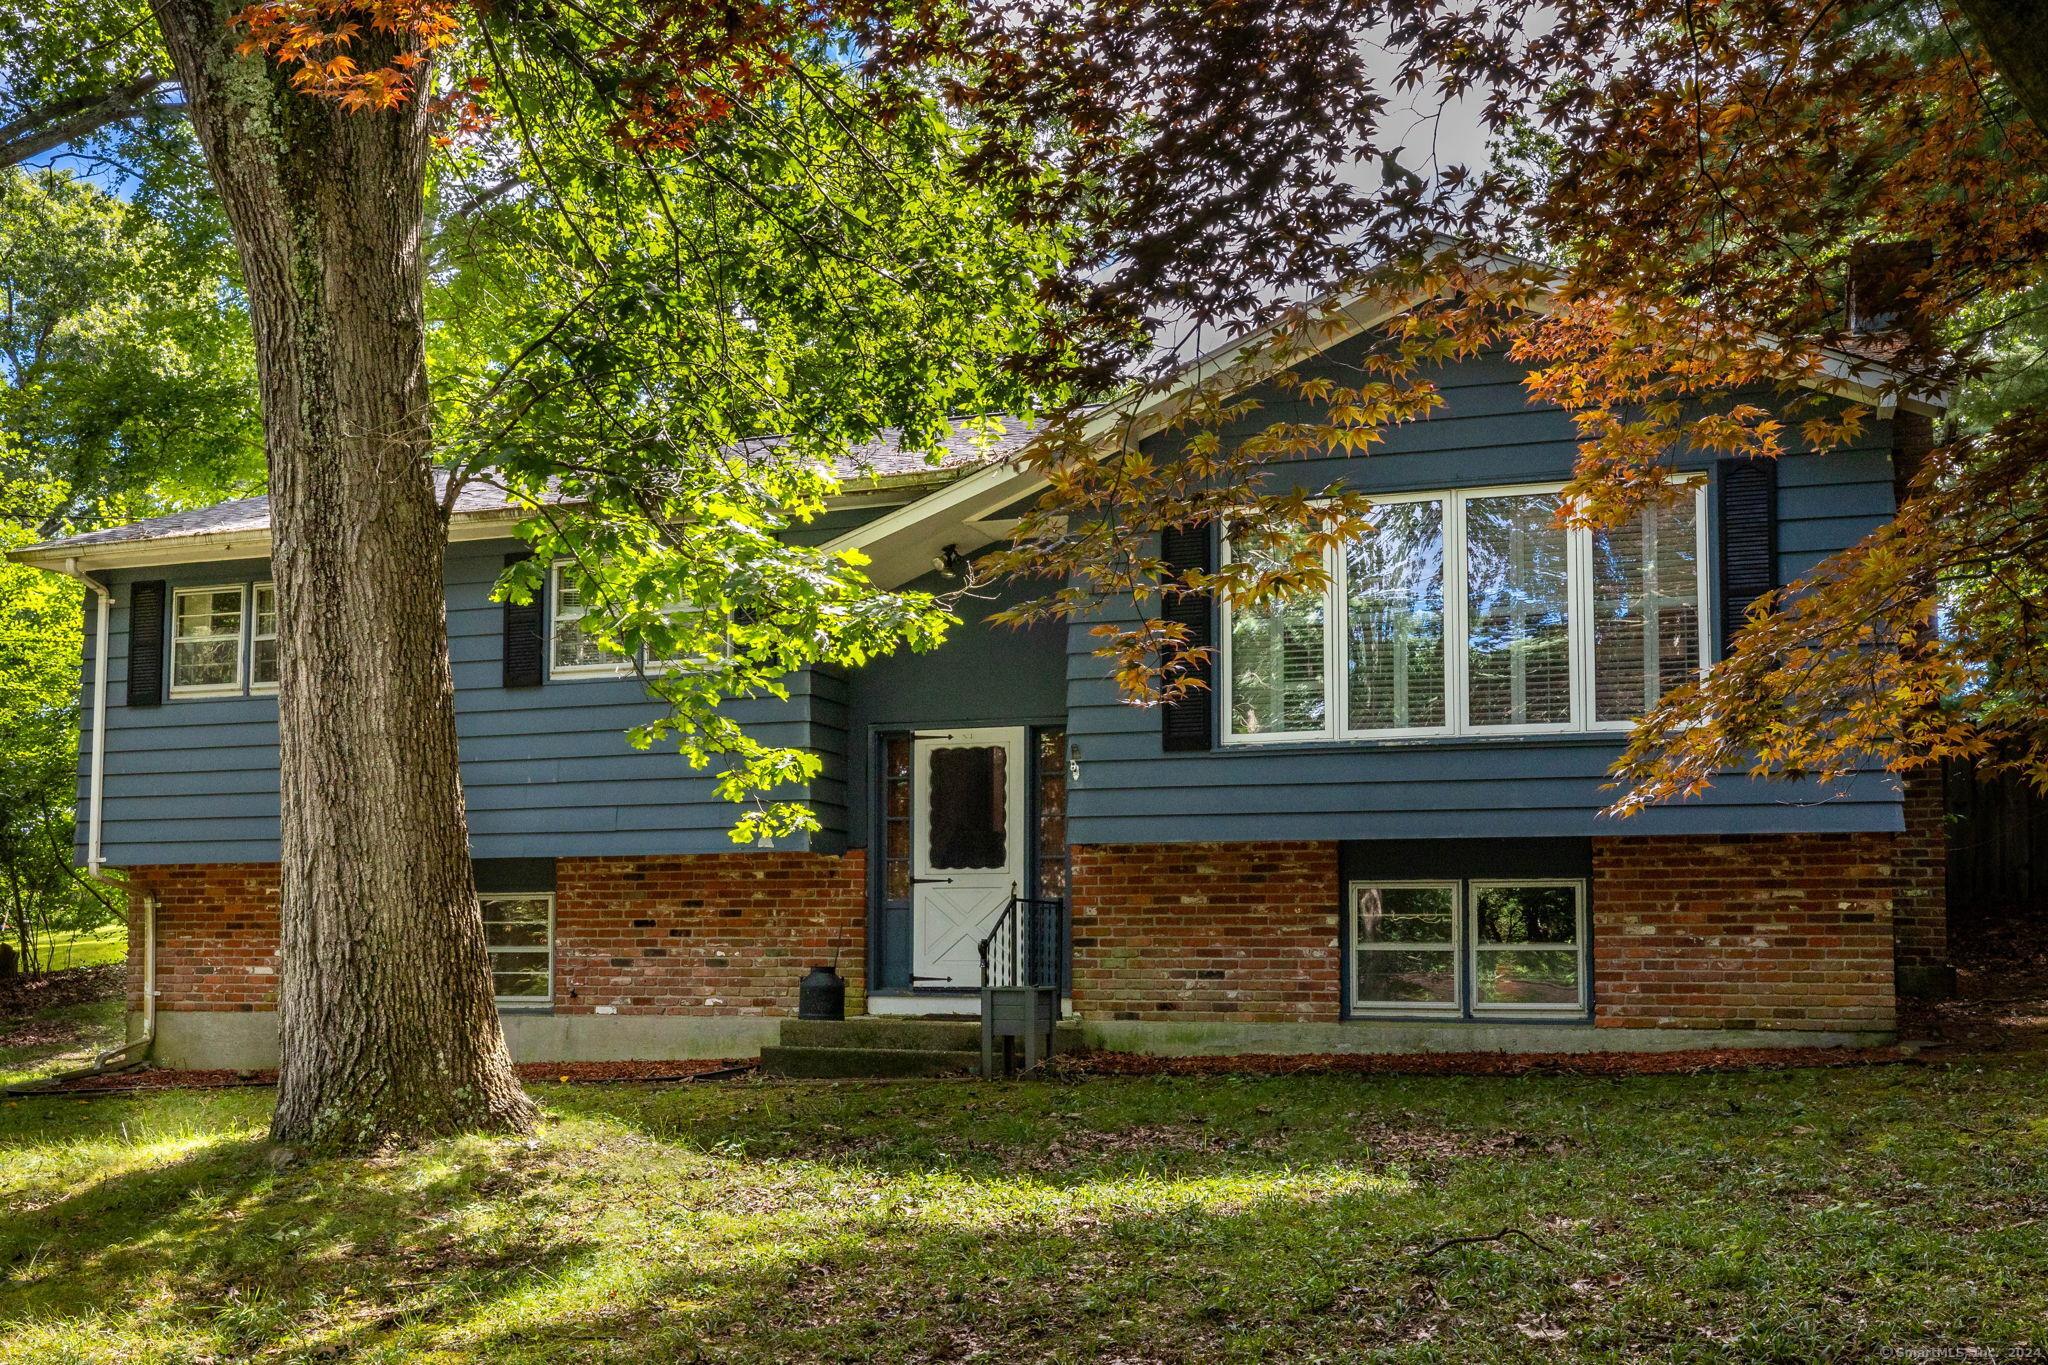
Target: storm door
968 843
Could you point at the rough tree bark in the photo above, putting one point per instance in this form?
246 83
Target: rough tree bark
387 1026
2014 35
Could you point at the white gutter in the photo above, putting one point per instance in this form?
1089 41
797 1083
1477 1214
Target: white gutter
96 781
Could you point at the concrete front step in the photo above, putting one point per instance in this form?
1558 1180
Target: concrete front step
885 1046
927 1035
847 1061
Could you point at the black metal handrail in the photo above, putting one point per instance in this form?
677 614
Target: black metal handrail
1023 945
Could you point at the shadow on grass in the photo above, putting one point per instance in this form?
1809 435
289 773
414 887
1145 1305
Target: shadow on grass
755 1223
1109 1221
1163 1284
220 1243
1065 1133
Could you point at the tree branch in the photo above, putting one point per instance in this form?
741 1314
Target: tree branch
52 125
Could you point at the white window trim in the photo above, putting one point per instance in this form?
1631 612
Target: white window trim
259 689
622 666
1457 632
527 1000
233 689
1582 948
1428 1008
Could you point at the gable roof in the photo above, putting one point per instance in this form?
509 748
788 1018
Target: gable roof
971 485
972 512
483 510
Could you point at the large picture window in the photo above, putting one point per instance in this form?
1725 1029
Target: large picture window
1475 612
1278 652
1469 948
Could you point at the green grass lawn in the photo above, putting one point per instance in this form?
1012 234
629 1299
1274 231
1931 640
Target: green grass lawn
1784 1217
86 950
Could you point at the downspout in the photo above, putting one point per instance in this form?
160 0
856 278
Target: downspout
96 780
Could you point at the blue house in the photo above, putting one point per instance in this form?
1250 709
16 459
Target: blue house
1381 831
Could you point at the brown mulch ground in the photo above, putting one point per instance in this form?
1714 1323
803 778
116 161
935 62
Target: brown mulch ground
575 1073
1996 1009
30 993
1080 1064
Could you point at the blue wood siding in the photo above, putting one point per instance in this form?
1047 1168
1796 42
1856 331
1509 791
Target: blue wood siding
1131 790
548 771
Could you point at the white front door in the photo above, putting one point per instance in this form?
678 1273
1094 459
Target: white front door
967 847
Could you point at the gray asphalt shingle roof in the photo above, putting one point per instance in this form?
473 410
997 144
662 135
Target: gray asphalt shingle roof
880 459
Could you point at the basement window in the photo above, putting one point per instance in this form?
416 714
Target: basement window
1473 948
519 934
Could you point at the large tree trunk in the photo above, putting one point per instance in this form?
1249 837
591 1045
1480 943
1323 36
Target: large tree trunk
387 1026
2014 35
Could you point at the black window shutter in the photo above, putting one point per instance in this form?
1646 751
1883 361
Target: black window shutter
1188 724
525 634
1749 538
146 643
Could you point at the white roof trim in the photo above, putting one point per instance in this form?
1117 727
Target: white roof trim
254 543
490 523
902 544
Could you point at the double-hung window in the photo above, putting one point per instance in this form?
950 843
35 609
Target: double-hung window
575 650
1469 948
519 935
206 641
263 639
1476 613
222 637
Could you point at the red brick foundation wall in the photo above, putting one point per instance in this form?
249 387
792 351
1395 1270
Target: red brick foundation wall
216 934
721 933
1765 932
1744 931
1920 914
713 934
1239 932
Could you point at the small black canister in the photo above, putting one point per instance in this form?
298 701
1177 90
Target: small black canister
821 995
